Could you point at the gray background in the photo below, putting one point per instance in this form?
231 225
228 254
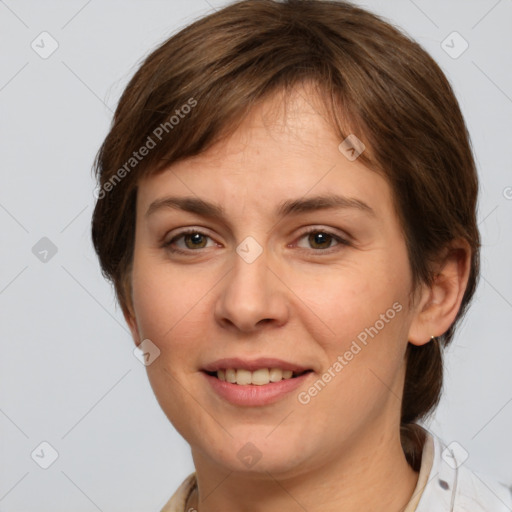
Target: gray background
68 374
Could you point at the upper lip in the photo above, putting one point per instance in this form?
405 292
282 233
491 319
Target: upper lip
253 364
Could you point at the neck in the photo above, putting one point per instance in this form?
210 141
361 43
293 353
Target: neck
372 475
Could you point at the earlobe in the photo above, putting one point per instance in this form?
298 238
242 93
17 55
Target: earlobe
439 304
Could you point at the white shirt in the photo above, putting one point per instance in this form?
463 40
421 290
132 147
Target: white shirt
453 487
445 484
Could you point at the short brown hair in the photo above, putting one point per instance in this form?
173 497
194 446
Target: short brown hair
375 82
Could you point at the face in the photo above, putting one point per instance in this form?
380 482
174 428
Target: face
238 257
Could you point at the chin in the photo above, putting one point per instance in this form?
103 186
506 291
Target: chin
258 455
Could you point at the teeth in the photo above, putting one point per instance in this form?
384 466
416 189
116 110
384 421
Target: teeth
258 378
243 377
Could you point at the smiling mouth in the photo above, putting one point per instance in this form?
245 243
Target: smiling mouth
258 377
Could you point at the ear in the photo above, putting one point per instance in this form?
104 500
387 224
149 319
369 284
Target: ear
439 303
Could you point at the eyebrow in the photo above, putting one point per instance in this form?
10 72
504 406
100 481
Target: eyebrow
289 207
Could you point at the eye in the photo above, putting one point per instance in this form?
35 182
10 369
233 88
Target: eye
193 239
322 240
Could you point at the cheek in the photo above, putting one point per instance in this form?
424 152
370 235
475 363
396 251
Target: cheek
168 301
365 309
347 300
152 299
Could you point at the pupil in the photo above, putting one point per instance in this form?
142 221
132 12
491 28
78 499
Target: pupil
196 239
321 238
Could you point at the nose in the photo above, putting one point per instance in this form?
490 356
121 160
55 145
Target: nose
252 296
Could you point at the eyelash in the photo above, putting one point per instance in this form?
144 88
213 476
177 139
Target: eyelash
337 238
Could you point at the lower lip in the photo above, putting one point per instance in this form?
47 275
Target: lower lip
253 395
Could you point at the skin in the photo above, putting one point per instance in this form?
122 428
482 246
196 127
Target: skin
300 301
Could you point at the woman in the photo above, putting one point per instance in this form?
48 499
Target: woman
287 210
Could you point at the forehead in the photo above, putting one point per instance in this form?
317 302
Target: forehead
284 148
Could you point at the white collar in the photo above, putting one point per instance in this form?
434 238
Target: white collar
453 487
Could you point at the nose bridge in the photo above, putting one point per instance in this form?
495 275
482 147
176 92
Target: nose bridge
251 292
